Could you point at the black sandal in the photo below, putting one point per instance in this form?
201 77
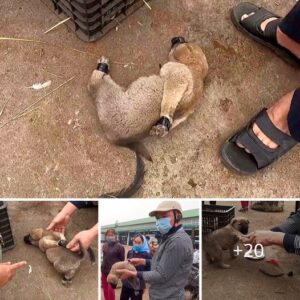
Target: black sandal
260 155
251 27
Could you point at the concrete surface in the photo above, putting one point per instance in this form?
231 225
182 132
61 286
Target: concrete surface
44 283
244 280
43 156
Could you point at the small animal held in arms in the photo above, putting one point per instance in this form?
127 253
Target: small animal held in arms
53 244
149 106
113 277
224 238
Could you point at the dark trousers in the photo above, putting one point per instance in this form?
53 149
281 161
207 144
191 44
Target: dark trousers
131 294
290 24
290 225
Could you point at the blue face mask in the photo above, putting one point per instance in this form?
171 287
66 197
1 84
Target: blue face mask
163 225
137 248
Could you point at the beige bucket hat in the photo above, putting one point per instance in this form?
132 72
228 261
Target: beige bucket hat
166 206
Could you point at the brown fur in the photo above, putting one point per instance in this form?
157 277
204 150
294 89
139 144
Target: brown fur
113 277
64 261
224 238
128 114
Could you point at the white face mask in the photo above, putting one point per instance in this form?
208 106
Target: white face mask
110 238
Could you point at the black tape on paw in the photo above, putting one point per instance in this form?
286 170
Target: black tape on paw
164 121
177 40
103 67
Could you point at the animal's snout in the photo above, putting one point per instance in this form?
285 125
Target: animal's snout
114 286
27 239
244 228
62 243
177 40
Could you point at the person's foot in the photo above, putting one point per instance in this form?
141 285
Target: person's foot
278 115
279 111
282 39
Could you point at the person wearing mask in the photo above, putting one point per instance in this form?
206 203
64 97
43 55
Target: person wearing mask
113 252
171 265
140 249
153 245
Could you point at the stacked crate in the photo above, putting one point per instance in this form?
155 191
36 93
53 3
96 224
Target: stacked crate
5 228
91 19
216 216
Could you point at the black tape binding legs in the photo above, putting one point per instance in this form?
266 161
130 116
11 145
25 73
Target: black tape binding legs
103 67
177 40
165 121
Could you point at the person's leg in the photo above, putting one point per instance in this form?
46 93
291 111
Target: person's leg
285 115
287 31
136 295
245 205
111 293
104 285
290 25
290 225
125 293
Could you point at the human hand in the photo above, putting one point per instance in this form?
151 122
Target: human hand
62 219
126 273
137 261
86 237
59 223
8 271
263 237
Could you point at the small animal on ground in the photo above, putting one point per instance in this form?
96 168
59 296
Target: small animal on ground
53 244
149 106
225 238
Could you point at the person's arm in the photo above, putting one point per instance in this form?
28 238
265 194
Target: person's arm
168 265
291 243
86 237
8 271
79 204
264 237
122 253
61 220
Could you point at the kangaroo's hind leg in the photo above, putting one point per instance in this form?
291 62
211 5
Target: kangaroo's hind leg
173 93
102 70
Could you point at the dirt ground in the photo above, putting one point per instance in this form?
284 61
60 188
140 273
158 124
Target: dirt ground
44 283
58 150
244 280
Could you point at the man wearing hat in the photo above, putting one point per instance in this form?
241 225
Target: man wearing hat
172 263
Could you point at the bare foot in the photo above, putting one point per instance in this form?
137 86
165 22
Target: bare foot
278 115
282 39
